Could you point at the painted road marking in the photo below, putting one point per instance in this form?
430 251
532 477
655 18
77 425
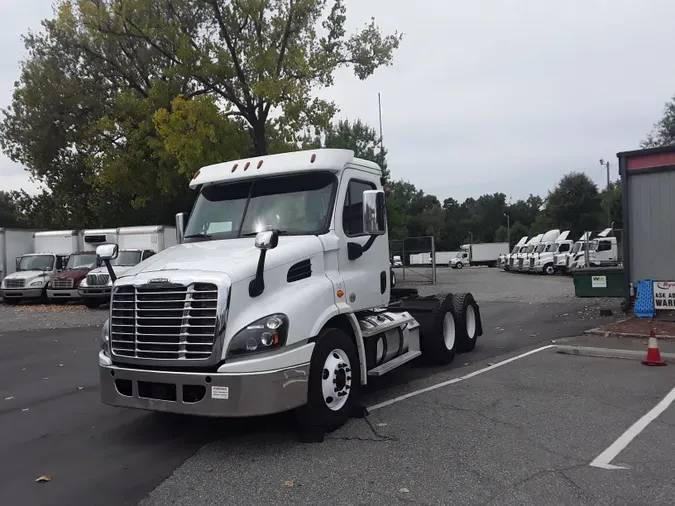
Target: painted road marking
456 380
603 460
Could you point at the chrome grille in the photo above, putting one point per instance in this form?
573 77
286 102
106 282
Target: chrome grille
62 283
531 262
520 262
15 283
164 322
98 279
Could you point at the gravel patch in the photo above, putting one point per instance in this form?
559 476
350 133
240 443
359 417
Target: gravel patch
44 316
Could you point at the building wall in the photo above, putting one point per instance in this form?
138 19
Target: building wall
651 211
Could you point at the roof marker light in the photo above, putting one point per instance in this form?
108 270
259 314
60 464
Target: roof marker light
196 174
313 158
246 166
235 167
260 163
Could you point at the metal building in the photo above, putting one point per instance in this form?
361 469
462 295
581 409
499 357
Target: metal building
648 193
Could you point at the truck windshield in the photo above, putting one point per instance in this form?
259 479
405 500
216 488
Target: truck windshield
127 258
298 204
81 261
552 248
515 249
36 263
540 248
578 246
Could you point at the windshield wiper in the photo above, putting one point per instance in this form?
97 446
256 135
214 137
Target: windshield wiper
252 234
206 237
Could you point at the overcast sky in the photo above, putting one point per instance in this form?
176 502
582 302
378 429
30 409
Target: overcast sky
483 96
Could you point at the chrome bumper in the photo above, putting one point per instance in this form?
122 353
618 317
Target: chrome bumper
204 394
63 294
102 293
21 293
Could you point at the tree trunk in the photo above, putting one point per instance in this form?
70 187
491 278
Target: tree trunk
258 136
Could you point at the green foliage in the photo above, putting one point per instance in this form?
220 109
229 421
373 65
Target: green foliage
10 214
663 132
575 204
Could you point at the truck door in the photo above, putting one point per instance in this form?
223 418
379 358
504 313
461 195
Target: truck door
366 279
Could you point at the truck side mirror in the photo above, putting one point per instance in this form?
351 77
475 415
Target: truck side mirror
107 252
17 261
267 239
180 227
374 213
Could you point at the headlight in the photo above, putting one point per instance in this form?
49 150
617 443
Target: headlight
105 336
268 333
83 283
37 282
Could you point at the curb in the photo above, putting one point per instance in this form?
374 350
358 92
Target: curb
586 351
608 333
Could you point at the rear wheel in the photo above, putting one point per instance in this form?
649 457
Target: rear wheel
466 310
438 333
334 381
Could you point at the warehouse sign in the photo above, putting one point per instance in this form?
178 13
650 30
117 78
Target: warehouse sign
664 294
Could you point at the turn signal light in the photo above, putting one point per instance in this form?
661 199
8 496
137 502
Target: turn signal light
340 294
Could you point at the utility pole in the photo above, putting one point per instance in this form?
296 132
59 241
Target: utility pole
609 196
508 229
379 106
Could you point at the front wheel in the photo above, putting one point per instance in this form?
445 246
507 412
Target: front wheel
549 269
334 381
393 279
460 265
92 304
11 302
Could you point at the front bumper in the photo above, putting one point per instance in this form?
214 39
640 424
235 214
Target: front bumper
21 293
63 294
204 394
101 293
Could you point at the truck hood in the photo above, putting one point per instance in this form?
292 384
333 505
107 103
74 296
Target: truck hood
238 258
119 270
74 274
28 276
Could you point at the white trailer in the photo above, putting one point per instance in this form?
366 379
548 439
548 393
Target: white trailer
97 236
14 243
480 254
155 238
445 257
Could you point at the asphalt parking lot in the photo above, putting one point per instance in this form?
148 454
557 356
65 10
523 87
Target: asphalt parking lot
52 422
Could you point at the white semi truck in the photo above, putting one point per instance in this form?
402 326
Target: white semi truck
35 270
136 244
544 262
510 258
277 298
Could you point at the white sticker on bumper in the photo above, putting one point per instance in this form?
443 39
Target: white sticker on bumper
222 393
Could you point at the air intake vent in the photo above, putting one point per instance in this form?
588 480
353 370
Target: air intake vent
301 270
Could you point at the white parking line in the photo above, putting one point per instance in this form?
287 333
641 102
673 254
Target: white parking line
603 460
456 380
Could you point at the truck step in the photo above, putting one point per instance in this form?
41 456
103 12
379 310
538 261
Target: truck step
393 364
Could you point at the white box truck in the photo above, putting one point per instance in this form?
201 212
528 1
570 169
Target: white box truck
35 270
14 242
479 254
135 244
276 299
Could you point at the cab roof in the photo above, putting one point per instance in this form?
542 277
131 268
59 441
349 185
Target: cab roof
333 160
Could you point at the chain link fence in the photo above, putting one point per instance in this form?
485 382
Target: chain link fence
413 260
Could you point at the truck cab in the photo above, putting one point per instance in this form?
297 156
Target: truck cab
604 249
511 257
277 297
33 273
576 259
523 257
94 289
542 261
63 287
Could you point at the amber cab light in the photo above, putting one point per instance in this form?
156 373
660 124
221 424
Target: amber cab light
260 163
311 160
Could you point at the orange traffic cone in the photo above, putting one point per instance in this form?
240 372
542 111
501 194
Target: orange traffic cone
653 353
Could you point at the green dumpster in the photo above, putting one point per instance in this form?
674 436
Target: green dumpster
601 282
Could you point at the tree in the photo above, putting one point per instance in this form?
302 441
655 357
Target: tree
10 215
574 204
258 57
663 132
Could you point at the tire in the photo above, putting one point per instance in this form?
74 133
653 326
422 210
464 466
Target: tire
549 269
435 328
468 326
460 265
11 302
325 411
91 304
393 279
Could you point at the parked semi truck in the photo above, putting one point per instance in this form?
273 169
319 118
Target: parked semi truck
277 298
35 270
136 244
510 258
13 244
554 241
479 254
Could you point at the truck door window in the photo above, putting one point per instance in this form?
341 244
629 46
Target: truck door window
352 213
563 248
148 254
604 246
